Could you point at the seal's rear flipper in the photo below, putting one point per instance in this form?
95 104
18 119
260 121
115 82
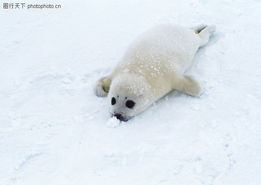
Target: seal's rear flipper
199 28
204 32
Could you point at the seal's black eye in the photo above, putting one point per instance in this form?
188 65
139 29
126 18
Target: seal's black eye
130 104
113 101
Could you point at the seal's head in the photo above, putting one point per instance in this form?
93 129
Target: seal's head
128 96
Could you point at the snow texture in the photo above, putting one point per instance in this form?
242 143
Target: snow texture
113 122
54 130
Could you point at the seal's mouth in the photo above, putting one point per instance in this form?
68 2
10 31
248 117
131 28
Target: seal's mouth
120 117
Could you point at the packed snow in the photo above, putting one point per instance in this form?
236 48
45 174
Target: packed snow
113 122
55 131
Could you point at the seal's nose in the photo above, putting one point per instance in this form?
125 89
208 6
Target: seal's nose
119 117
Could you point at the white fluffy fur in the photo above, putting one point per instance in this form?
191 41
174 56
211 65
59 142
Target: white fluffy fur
152 66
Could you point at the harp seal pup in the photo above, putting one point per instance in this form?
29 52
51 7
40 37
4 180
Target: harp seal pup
153 65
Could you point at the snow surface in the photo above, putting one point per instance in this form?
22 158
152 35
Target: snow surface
53 130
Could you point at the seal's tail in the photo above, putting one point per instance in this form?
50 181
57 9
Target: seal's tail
204 32
199 28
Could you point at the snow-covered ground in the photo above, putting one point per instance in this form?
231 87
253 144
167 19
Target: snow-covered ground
53 128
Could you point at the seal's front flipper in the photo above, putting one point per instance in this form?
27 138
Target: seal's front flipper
102 86
188 85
